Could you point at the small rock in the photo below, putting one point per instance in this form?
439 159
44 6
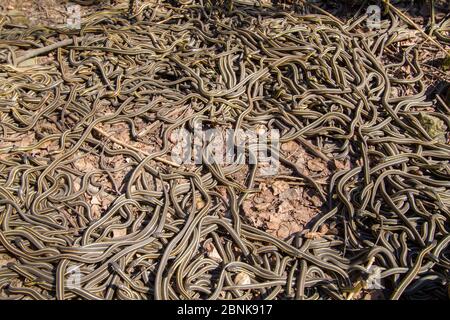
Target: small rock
242 279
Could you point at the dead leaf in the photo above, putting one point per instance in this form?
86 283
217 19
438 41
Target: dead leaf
262 206
304 214
279 187
264 196
263 186
316 165
313 235
199 203
295 227
342 164
289 146
319 234
242 279
83 163
121 132
274 219
5 259
106 201
272 225
76 184
291 193
283 231
323 229
95 200
285 206
247 207
212 252
117 233
95 211
316 201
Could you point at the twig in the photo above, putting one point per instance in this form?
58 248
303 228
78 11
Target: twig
124 144
35 52
315 150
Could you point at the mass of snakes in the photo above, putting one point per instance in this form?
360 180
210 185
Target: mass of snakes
338 90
